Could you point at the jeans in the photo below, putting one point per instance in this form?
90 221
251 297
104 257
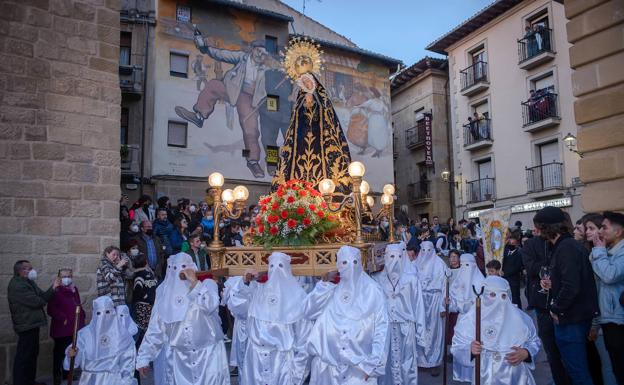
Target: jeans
546 333
25 364
572 342
614 342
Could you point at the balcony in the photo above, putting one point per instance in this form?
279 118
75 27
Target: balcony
480 191
545 179
535 49
131 79
477 134
415 137
419 192
130 163
474 79
540 111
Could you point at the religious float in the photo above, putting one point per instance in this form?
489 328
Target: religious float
318 198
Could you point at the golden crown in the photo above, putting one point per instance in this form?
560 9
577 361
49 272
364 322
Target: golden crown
302 55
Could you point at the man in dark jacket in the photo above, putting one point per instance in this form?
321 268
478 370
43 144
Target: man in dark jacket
573 291
26 303
533 258
163 229
512 266
150 246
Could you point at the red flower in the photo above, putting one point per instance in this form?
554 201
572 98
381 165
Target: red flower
320 214
284 214
275 206
280 193
331 217
292 223
291 199
313 207
273 219
263 208
295 187
258 220
324 205
273 230
315 193
303 193
306 221
300 210
261 229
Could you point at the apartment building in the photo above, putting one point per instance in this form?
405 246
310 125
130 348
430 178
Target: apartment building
512 110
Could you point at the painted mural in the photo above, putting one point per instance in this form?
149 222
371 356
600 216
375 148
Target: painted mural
237 102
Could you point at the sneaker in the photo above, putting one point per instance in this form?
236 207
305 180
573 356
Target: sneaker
191 116
255 169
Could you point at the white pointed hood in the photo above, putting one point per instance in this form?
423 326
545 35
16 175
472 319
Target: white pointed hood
127 323
171 296
357 295
280 298
467 276
104 336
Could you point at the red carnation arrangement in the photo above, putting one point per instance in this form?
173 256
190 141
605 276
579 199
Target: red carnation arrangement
295 214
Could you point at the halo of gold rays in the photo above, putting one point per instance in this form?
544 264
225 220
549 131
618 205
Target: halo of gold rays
302 55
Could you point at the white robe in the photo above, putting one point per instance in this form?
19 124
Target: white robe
432 276
503 326
239 333
275 352
196 352
118 369
406 313
344 349
462 298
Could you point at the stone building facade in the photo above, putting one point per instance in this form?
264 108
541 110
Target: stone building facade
59 145
420 92
596 32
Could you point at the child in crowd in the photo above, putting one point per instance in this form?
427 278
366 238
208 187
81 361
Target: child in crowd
493 268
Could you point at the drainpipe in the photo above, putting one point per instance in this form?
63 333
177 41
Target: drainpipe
144 104
449 133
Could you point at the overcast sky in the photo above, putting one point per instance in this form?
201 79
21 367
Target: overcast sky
397 28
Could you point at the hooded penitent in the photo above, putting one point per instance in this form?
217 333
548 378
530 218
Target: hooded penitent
503 326
171 296
469 275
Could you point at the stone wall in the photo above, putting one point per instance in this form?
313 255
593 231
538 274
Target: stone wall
596 30
59 145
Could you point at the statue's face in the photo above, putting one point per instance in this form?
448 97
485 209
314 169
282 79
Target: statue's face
258 54
307 82
303 64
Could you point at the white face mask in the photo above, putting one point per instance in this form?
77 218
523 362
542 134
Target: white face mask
134 252
192 209
66 281
32 275
134 228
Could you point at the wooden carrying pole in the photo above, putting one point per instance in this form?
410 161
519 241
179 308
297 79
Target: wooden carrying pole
477 375
72 360
446 329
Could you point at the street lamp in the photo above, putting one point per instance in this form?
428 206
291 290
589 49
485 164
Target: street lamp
446 176
227 203
570 142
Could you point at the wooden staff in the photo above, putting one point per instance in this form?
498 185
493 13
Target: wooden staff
478 333
70 374
446 327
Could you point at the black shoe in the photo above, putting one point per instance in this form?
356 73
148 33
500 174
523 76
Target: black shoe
435 371
192 117
255 169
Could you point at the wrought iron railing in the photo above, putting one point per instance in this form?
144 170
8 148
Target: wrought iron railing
542 105
415 136
419 191
474 74
544 177
481 190
477 131
535 43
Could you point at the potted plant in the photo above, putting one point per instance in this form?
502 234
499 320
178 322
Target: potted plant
124 152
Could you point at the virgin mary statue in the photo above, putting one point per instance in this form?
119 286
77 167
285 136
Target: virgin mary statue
315 148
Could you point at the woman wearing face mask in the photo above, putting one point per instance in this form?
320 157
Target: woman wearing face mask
111 275
180 232
62 311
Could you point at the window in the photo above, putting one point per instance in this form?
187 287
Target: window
549 152
178 65
272 103
124 125
270 43
544 83
125 42
177 134
485 169
183 13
